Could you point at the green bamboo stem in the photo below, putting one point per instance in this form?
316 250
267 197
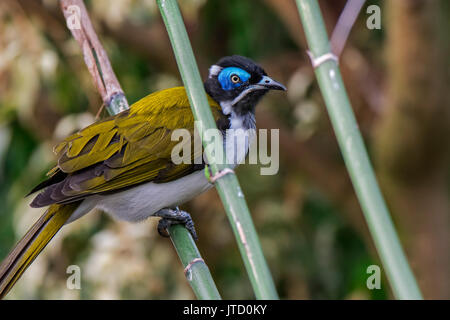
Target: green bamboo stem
196 271
227 186
356 159
115 102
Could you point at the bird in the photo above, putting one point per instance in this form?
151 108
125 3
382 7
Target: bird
122 164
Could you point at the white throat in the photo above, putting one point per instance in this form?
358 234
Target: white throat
239 136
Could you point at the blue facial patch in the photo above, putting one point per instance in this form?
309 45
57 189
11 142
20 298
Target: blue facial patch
227 75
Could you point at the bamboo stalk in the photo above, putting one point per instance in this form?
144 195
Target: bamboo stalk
95 56
195 268
227 186
355 155
344 25
113 97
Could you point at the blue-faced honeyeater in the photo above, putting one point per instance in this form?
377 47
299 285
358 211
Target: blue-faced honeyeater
122 164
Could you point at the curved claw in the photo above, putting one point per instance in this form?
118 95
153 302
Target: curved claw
163 224
171 217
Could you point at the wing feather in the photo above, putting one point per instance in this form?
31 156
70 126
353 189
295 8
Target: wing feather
121 151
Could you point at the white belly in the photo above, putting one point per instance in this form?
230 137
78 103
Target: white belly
138 203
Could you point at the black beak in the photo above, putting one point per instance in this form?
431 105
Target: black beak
269 83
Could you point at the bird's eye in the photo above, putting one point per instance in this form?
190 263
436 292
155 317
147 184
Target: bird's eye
235 78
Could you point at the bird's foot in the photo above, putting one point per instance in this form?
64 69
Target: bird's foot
170 217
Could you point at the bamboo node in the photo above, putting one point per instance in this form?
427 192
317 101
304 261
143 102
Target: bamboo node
321 59
220 174
187 270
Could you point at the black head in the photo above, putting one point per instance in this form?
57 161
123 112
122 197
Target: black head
238 83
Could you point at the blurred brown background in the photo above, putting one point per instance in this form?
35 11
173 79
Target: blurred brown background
309 221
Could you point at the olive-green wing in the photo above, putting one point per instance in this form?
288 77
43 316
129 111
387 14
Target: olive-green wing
130 148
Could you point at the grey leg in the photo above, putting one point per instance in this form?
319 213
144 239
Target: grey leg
175 216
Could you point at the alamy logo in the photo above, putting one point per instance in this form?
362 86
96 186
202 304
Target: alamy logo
374 20
374 280
74 280
73 20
